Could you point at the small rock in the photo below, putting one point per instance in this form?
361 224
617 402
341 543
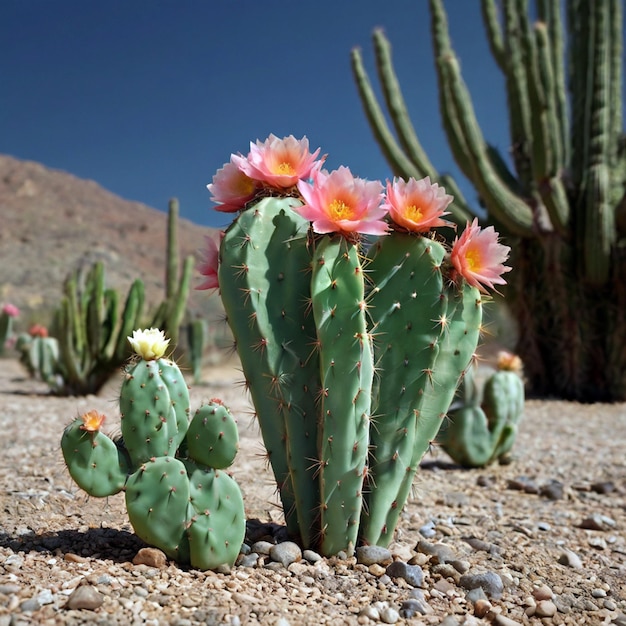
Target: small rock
489 582
462 567
85 597
371 612
620 620
152 557
262 547
481 607
370 555
598 593
553 490
248 560
413 574
286 553
522 483
503 620
428 530
603 487
597 542
543 593
441 552
389 615
597 522
311 556
413 606
30 605
545 608
45 597
570 559
479 544
376 570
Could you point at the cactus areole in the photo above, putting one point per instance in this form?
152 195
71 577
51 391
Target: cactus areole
172 469
354 322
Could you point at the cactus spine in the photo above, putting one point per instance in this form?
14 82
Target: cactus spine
564 205
178 496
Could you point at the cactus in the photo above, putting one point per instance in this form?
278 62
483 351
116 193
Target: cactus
39 354
483 427
7 313
197 332
352 348
91 331
564 208
178 496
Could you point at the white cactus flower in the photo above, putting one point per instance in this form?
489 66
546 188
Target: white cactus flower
149 344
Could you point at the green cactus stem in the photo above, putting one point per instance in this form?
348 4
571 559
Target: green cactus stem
347 370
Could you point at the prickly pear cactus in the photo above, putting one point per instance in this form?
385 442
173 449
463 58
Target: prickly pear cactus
354 322
178 495
484 430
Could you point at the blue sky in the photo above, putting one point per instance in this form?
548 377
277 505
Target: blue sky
150 97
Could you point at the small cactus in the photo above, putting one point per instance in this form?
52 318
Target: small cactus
178 496
7 313
482 429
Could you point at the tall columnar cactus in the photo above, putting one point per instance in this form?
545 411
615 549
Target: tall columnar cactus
562 206
171 469
483 427
352 347
7 314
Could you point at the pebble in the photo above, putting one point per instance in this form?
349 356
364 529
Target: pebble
545 608
489 582
248 560
85 597
373 555
597 522
570 559
262 547
413 574
440 552
553 490
620 620
311 556
152 557
29 606
286 553
411 607
503 620
523 483
389 615
543 593
481 607
597 542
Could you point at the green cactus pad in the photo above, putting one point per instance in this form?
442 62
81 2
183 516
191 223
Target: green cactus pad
212 438
154 402
157 500
346 370
218 526
96 464
264 284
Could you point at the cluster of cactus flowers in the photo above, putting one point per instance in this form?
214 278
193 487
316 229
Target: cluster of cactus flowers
171 468
483 425
354 323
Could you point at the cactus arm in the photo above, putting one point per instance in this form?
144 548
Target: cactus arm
399 162
595 219
171 267
503 205
397 107
131 316
178 303
494 32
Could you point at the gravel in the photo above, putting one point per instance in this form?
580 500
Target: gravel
532 557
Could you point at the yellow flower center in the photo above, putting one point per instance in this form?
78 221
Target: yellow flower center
413 213
473 259
339 210
285 169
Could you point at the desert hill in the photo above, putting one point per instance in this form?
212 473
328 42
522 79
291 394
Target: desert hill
52 222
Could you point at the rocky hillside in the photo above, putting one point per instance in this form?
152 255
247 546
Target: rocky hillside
52 222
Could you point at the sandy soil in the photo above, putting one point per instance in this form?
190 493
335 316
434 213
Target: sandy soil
550 526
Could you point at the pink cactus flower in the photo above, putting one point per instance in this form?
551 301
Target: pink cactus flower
209 265
340 202
11 310
231 188
417 205
479 258
37 330
279 163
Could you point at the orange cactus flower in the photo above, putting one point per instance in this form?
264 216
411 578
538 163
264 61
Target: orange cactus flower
417 205
209 265
231 188
37 330
279 163
340 202
92 421
509 362
479 258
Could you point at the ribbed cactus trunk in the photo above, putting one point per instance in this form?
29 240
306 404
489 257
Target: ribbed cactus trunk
561 206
